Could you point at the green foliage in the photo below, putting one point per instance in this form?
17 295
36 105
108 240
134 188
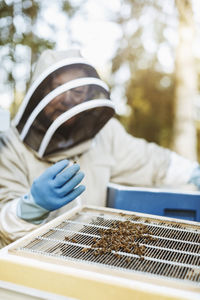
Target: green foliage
69 8
151 107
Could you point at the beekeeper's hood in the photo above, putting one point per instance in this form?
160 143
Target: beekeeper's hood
66 104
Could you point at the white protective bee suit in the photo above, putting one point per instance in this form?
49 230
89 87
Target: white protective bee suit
85 132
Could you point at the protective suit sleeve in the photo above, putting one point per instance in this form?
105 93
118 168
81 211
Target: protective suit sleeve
15 181
29 211
140 163
195 177
181 170
11 226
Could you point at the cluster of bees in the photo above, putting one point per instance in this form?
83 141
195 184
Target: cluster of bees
123 236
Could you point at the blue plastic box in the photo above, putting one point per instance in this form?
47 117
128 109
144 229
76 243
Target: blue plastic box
169 203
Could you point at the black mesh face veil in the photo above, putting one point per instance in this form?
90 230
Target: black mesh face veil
80 128
68 107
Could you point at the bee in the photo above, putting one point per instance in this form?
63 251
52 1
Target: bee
84 250
73 240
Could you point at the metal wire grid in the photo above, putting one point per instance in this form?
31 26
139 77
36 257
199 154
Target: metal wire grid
174 251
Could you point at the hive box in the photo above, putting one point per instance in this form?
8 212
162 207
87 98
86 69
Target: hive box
162 202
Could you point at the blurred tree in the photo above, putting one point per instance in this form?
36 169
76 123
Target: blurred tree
21 43
185 140
151 107
142 53
149 89
18 42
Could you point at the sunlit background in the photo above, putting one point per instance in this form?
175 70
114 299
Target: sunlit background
143 49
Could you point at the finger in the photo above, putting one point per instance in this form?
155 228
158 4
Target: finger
74 194
66 175
70 185
52 171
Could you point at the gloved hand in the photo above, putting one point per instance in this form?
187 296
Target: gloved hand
56 186
195 177
50 191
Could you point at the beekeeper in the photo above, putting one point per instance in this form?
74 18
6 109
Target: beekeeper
67 117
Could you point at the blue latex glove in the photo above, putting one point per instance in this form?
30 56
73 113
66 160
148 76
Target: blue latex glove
57 186
195 177
52 190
